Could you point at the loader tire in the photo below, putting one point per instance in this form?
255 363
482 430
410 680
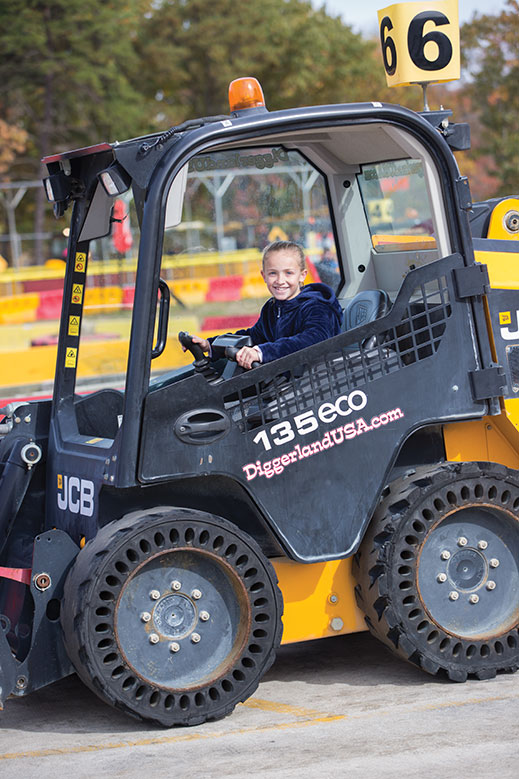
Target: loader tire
172 615
438 570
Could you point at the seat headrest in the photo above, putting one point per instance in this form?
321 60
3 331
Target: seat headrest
365 307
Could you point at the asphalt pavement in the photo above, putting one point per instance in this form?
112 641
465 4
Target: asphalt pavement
341 706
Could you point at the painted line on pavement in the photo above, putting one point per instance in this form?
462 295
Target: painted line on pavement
259 704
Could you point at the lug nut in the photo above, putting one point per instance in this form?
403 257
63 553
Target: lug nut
145 616
174 646
445 555
482 544
462 541
442 577
175 585
474 598
195 638
196 594
154 639
494 562
204 616
154 594
491 585
453 595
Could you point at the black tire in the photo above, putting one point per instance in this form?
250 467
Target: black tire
438 571
172 615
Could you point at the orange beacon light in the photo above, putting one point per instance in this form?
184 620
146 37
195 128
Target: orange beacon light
245 93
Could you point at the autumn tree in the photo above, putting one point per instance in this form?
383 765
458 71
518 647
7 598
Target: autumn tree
490 46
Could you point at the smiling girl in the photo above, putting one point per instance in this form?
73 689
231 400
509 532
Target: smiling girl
295 316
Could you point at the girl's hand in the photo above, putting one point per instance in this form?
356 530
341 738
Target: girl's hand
200 341
246 356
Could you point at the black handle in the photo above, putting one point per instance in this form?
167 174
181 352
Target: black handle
195 349
162 329
232 351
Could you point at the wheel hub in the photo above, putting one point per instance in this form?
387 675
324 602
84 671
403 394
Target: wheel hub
182 615
467 569
174 616
468 566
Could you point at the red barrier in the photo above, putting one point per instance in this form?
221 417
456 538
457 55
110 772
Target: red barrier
50 304
228 323
225 288
128 296
43 285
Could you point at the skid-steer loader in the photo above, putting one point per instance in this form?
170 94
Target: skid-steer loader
163 534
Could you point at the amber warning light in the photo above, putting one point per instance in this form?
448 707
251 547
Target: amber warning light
245 93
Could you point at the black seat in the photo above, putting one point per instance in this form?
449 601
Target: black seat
365 307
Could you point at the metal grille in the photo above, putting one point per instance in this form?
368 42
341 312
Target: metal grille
416 337
512 352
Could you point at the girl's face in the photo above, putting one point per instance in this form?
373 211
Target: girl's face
282 274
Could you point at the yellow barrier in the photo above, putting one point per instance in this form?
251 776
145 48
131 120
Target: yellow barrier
191 291
36 366
98 299
19 308
253 286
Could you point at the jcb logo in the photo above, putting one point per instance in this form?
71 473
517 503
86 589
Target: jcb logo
505 318
76 495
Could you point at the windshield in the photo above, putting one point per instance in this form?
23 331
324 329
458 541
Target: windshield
236 202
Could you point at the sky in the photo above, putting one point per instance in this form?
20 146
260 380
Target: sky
361 15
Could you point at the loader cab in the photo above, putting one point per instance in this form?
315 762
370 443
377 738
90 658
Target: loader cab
370 191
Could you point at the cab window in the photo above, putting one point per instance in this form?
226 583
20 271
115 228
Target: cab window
236 201
397 206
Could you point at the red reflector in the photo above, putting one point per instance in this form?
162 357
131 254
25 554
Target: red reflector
22 575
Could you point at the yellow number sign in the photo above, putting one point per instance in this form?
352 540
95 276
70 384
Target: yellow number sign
420 42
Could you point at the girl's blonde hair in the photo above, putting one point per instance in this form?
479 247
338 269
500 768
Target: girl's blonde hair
279 246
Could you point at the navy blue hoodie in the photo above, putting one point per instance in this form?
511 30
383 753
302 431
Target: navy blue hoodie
285 326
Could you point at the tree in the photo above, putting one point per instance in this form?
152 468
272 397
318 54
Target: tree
13 140
192 49
490 48
66 75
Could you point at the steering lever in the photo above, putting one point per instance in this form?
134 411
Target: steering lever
232 351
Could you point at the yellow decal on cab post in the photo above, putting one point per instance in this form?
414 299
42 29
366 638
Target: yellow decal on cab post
70 357
420 42
80 262
73 325
77 293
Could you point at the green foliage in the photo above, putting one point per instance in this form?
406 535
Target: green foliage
192 49
67 67
490 49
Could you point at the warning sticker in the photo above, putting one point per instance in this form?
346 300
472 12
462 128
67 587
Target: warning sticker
70 357
60 481
73 325
505 318
80 263
77 293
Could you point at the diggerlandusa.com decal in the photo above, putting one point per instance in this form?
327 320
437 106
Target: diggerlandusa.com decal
331 438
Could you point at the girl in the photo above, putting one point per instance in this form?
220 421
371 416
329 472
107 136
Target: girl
294 317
